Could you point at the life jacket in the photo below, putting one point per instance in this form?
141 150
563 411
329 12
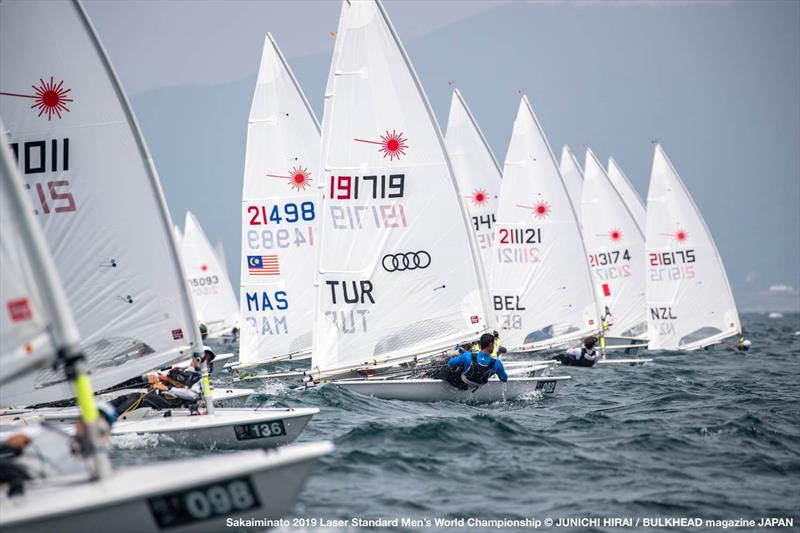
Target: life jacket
183 377
478 375
587 361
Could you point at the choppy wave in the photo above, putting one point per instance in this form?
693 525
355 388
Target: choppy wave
711 434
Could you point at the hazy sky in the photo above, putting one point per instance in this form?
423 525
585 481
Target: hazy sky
718 83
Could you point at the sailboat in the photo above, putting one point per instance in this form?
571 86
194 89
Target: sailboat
476 170
573 177
689 300
629 195
540 278
121 267
615 247
212 294
279 217
39 330
400 277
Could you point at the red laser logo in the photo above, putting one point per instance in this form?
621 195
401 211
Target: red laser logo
299 178
680 235
615 234
50 98
540 210
203 268
479 197
392 145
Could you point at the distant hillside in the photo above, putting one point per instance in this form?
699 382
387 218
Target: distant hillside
611 78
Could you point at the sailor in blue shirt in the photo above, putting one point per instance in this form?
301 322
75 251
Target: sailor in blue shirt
471 370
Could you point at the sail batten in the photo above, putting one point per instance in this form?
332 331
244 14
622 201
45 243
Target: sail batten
689 299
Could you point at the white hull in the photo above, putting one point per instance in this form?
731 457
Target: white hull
222 398
625 345
289 377
434 390
225 429
529 369
133 500
631 362
522 365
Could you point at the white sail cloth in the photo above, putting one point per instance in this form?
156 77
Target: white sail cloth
629 195
214 301
615 246
540 280
28 312
573 177
279 216
96 195
476 170
399 270
689 299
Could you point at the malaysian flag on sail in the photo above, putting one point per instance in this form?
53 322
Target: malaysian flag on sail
263 265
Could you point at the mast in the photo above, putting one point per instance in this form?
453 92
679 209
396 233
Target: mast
63 331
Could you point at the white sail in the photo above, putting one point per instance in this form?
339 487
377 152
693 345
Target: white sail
30 293
279 216
178 235
399 270
573 178
540 279
689 299
96 194
629 195
220 251
214 301
476 170
615 245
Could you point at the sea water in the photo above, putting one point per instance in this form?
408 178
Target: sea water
711 436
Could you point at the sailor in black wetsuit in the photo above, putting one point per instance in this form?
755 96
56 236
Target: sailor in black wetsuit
587 355
169 389
471 370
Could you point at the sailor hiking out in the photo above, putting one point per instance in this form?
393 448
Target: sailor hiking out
471 370
587 355
173 388
39 451
741 345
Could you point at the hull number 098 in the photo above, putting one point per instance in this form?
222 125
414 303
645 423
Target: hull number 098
203 503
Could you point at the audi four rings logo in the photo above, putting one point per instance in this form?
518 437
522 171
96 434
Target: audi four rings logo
406 261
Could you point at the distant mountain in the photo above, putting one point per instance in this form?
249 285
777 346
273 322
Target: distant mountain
614 78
